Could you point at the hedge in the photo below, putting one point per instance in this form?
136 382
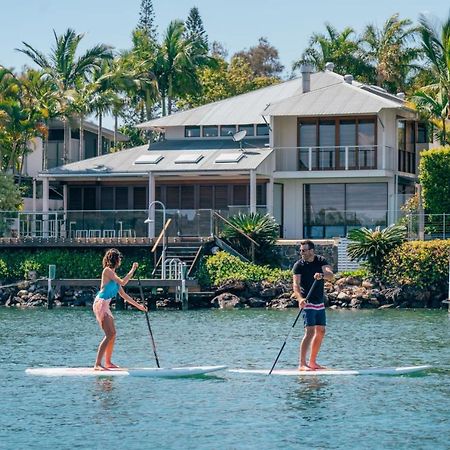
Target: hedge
423 264
70 263
221 267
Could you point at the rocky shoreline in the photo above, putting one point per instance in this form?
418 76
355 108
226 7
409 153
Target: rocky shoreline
343 293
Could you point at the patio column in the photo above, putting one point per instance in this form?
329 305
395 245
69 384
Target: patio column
252 191
269 196
64 231
45 203
151 211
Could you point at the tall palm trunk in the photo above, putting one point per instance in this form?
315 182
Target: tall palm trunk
45 148
163 101
99 137
116 126
67 139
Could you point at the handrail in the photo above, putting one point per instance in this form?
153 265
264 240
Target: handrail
157 265
161 235
236 228
194 262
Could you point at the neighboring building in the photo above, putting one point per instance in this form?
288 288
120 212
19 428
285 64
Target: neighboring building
34 162
322 153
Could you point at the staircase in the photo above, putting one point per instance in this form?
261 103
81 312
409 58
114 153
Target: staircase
184 251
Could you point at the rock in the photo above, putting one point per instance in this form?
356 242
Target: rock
333 307
254 302
270 292
386 306
22 293
231 287
353 281
343 297
283 303
227 301
367 284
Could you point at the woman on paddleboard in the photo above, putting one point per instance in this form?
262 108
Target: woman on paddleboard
111 285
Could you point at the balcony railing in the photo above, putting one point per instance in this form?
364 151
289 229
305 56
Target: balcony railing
113 224
350 157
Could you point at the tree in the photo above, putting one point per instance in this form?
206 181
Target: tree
263 59
341 48
147 20
434 177
195 32
434 98
373 246
63 68
262 229
10 197
392 53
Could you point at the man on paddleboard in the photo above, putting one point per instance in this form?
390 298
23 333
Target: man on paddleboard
309 268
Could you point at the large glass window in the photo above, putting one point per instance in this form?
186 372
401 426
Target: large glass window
262 129
347 138
121 198
191 132
307 138
227 130
250 129
332 210
211 131
327 142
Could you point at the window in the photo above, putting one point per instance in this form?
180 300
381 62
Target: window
75 198
89 203
262 129
121 198
56 135
211 131
250 129
227 130
107 198
332 210
191 132
240 194
140 197
422 133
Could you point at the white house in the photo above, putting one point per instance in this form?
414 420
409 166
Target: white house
322 153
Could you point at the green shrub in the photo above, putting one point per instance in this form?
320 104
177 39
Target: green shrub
70 263
420 263
434 176
222 267
359 273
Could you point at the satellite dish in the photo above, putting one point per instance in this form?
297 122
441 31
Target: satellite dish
237 137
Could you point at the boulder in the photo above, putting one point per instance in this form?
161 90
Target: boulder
227 301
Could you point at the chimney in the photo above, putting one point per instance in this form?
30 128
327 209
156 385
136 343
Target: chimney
401 95
329 66
306 70
348 78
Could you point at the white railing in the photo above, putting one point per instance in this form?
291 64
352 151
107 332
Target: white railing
344 157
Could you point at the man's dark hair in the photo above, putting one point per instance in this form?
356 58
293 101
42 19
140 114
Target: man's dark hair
309 243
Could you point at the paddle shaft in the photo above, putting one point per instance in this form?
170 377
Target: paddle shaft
148 324
293 326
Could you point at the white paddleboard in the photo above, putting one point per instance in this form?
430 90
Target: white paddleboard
136 372
369 371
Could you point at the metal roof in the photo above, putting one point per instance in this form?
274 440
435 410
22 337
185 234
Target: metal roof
123 163
329 95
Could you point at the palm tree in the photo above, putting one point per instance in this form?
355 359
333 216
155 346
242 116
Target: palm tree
391 52
434 98
176 64
342 48
65 69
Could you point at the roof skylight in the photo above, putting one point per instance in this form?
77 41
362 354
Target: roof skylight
192 158
229 158
149 159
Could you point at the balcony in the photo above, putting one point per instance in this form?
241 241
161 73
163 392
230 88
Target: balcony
109 227
350 157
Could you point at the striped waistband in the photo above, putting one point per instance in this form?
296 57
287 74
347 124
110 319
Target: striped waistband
314 306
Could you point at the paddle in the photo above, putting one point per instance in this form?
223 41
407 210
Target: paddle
148 323
293 326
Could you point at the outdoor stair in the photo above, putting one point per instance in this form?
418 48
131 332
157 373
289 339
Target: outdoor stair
184 251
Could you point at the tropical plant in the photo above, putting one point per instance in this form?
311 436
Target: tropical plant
10 196
261 229
434 177
64 69
392 53
341 48
373 246
434 98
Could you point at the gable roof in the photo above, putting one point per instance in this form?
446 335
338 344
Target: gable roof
329 95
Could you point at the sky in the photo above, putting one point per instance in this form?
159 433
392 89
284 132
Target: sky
236 24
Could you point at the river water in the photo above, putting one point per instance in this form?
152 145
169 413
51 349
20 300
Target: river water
225 411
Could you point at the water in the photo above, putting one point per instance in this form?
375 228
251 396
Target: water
226 411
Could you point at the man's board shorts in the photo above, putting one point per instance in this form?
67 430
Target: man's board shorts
314 315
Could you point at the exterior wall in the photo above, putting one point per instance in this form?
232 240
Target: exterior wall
285 135
175 133
33 161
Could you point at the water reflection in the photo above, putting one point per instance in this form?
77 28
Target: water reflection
309 397
104 393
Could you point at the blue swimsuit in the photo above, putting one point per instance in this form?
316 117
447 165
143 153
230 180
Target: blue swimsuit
109 290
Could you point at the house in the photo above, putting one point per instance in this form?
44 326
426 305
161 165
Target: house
322 153
49 154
